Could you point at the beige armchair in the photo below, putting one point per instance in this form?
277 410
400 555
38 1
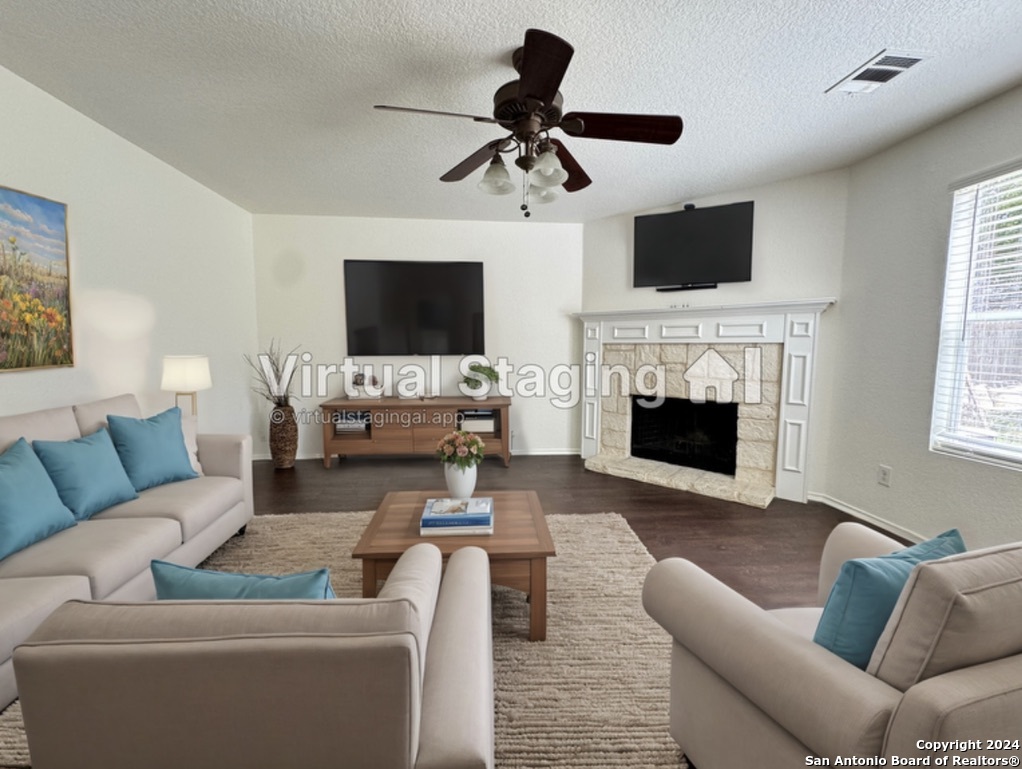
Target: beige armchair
401 681
750 688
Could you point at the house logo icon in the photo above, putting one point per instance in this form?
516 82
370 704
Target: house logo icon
711 371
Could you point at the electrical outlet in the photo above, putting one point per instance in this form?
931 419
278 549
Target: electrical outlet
884 475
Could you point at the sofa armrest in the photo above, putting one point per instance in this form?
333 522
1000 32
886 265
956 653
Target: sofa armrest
416 579
457 697
826 703
850 540
976 703
228 455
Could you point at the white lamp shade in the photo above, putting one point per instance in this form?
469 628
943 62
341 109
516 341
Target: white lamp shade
496 180
186 373
542 194
548 171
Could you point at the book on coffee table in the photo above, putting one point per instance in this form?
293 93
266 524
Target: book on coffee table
454 531
457 516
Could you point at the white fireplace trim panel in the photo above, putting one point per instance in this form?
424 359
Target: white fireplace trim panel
793 324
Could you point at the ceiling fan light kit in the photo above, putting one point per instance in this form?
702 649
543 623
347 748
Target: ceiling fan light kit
547 171
530 108
542 194
496 180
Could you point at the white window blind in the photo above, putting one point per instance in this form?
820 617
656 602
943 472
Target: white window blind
977 400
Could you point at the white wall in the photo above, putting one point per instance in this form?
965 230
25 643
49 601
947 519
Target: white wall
158 264
798 242
533 282
898 218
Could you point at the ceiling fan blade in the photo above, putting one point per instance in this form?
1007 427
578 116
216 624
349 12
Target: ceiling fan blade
473 161
477 118
577 178
653 129
545 59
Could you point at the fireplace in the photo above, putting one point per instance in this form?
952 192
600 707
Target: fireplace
686 433
755 358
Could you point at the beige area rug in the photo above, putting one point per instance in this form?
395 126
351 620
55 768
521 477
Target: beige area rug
594 695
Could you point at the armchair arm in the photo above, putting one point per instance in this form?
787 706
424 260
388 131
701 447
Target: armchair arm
229 455
829 705
850 540
457 693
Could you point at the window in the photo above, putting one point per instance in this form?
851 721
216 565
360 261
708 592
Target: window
977 401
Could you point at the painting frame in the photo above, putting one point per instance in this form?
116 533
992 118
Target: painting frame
35 283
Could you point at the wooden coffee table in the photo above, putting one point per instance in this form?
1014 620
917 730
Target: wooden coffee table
518 547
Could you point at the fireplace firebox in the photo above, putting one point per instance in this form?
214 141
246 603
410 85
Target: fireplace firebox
686 433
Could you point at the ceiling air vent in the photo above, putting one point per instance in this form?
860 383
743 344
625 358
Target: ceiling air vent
882 68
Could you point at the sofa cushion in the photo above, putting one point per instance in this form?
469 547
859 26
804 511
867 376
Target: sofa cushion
953 613
92 416
108 552
190 430
865 593
27 601
47 425
194 504
180 583
30 508
87 472
802 619
152 450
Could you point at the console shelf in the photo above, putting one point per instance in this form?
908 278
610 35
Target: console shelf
388 426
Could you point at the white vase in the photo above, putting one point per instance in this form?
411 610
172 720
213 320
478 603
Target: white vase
460 482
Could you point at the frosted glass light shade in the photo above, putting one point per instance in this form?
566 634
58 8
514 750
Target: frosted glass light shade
186 373
548 171
542 194
496 180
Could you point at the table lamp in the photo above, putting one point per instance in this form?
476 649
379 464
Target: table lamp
186 375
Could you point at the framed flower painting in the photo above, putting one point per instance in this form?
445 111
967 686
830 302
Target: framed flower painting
35 289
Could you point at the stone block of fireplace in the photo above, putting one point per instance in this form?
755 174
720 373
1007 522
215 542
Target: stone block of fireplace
759 357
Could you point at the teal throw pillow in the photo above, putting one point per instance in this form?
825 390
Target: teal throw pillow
179 583
87 472
865 593
30 508
152 450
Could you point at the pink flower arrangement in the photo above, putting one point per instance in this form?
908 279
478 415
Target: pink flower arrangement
460 448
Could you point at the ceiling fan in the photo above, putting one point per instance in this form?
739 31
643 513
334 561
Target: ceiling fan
530 108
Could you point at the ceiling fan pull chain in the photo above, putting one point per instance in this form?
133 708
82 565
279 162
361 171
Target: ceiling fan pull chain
525 195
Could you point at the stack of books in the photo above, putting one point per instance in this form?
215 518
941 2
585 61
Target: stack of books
467 517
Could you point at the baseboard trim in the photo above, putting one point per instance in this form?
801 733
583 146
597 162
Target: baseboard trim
863 515
514 453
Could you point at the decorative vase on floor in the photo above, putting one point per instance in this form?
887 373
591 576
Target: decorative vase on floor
461 482
283 437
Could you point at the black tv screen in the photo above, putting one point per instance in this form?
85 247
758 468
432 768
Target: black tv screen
694 248
413 308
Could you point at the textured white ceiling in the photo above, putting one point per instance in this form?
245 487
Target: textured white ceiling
269 102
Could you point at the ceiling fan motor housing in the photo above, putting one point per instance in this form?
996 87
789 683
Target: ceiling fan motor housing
508 109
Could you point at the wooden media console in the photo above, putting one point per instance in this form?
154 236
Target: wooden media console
388 426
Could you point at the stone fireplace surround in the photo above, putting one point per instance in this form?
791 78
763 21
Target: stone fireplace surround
773 388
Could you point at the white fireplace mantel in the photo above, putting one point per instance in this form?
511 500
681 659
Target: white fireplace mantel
792 324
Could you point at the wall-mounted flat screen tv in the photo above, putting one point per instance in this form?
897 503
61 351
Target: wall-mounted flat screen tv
694 248
413 308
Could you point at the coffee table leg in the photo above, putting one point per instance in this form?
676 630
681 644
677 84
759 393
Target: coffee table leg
537 599
368 578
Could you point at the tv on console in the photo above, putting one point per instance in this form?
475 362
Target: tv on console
413 308
693 248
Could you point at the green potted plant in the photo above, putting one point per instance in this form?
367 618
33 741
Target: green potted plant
272 379
483 381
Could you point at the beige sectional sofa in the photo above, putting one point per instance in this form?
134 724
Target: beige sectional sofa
399 681
750 687
108 555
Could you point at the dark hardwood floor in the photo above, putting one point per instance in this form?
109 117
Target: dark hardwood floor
770 556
